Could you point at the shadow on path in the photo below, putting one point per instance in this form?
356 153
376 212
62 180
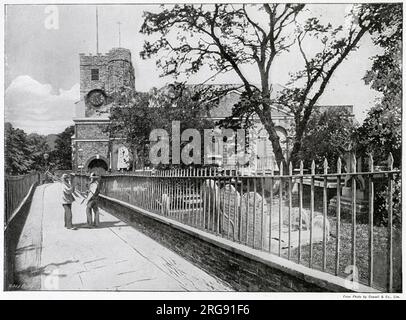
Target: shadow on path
102 225
45 270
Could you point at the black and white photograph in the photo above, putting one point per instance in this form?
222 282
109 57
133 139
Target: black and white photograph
212 147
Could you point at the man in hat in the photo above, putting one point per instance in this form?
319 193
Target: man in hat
67 198
92 201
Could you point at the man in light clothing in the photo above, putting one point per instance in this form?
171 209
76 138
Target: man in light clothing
92 201
67 198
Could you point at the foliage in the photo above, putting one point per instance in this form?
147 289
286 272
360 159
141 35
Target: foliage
135 117
62 155
381 132
133 122
326 136
227 37
25 153
17 151
38 147
381 203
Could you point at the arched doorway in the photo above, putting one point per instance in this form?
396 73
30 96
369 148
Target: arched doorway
99 166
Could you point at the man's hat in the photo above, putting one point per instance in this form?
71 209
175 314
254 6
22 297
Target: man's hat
93 175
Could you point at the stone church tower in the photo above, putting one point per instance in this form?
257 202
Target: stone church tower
101 77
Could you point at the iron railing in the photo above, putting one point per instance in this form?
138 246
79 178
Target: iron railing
15 190
275 212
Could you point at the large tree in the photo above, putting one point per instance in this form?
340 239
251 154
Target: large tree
17 151
132 120
62 154
227 37
135 115
38 147
326 137
381 133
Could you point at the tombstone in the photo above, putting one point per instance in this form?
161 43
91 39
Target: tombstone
318 222
230 206
211 204
261 223
361 204
294 218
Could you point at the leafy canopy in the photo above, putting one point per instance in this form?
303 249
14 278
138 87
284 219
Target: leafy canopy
225 37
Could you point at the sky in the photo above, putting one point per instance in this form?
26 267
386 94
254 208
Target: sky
42 60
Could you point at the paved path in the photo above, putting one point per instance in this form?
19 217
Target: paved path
112 257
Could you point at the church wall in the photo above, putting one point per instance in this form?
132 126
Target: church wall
86 64
91 131
225 105
92 149
115 70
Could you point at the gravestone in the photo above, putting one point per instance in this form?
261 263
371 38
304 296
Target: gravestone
211 204
230 206
318 222
261 222
294 218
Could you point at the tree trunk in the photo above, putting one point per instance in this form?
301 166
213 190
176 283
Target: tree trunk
266 119
134 152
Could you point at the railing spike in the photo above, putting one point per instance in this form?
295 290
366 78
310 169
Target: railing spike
290 168
325 165
313 168
301 167
371 162
390 161
281 169
353 163
339 164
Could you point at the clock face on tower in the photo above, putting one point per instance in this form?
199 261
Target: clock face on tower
96 98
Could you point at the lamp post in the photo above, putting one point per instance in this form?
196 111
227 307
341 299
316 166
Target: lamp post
46 157
80 151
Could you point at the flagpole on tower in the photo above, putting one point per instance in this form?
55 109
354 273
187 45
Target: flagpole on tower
119 34
97 31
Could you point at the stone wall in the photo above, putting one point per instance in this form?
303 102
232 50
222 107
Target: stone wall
91 131
120 73
92 149
88 62
115 70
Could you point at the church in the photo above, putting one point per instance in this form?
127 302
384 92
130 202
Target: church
103 75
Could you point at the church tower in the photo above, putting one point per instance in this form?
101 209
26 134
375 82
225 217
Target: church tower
101 77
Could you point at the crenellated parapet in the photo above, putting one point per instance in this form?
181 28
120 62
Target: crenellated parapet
119 54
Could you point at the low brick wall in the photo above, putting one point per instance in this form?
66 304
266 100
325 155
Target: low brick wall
243 268
12 234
